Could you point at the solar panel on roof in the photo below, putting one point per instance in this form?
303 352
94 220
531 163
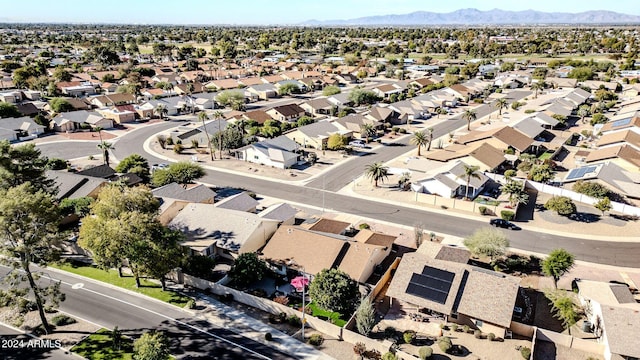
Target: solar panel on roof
433 284
575 174
622 122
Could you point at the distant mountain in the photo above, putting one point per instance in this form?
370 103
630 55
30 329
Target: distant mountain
495 16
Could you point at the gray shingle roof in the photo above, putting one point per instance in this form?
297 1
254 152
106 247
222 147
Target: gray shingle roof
280 212
196 194
240 202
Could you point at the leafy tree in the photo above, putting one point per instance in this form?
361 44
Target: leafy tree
583 111
162 253
228 97
603 205
517 195
581 73
500 104
29 222
79 206
247 269
376 172
591 188
160 110
134 164
232 138
425 352
469 115
331 90
151 346
304 120
60 74
598 118
561 204
365 316
9 110
181 172
288 89
563 307
21 164
60 105
541 173
419 139
334 290
199 266
487 242
336 142
558 263
56 164
361 96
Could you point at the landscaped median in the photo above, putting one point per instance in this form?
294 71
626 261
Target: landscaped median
148 288
100 345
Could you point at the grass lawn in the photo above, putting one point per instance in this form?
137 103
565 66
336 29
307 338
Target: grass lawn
321 313
545 155
98 346
127 282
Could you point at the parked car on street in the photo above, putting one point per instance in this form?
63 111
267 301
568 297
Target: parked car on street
504 224
358 143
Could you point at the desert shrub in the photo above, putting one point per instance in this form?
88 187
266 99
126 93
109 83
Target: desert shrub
316 340
483 210
507 215
444 343
525 352
454 327
425 352
409 336
389 332
364 226
491 337
169 141
389 356
360 349
62 320
294 320
178 148
268 336
529 111
591 188
191 304
561 204
466 328
477 334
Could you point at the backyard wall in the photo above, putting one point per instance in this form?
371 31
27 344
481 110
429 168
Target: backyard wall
570 341
522 329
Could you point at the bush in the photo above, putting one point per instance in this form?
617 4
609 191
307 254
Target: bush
507 215
483 210
268 336
591 188
561 204
409 336
444 343
316 340
360 349
389 332
389 356
169 141
525 352
178 148
294 320
529 111
191 304
491 337
454 327
425 352
56 164
62 320
466 328
364 226
477 334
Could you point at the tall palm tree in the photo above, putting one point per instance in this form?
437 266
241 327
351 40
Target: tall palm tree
218 115
203 117
160 110
430 131
98 129
105 147
470 172
536 87
367 131
376 172
419 139
500 104
190 89
469 115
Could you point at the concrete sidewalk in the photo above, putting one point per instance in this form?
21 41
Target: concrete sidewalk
228 317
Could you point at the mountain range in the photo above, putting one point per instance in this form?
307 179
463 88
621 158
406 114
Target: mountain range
490 17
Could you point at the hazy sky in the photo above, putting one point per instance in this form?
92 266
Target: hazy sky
268 11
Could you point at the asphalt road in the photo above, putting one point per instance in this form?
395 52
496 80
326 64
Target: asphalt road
189 337
15 345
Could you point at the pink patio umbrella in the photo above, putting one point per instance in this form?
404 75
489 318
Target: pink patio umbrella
299 282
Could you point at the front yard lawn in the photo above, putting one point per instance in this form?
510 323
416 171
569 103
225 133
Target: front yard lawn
98 346
147 287
325 314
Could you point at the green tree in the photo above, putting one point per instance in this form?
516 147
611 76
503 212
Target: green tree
367 131
60 105
330 90
516 192
151 346
21 164
470 172
79 206
134 164
500 104
161 253
557 263
376 172
541 173
581 73
61 74
336 142
105 147
29 221
361 96
228 97
160 110
561 204
9 110
365 316
563 307
603 205
181 172
487 242
537 87
598 118
334 290
419 139
247 269
591 188
583 112
288 89
469 115
203 117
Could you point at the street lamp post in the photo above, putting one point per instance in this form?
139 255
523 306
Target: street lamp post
304 278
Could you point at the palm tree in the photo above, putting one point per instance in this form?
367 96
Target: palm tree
160 110
470 171
469 115
420 139
367 131
218 115
203 117
376 172
190 89
98 129
501 104
536 87
105 147
430 130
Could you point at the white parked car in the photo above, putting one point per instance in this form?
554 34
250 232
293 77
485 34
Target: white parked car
357 143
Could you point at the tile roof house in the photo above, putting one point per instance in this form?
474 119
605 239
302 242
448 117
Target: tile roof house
626 156
211 230
113 99
317 106
354 123
614 315
289 112
450 181
314 135
279 152
72 120
501 138
387 115
465 294
20 127
259 116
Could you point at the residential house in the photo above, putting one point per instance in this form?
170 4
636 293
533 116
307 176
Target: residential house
74 186
614 316
386 90
450 180
318 107
240 202
73 120
203 101
174 104
211 230
289 112
387 115
113 100
341 100
628 137
608 174
302 86
314 135
465 294
183 89
14 128
625 156
502 138
258 116
263 91
280 152
438 251
196 131
329 226
28 109
76 88
11 97
119 114
421 83
409 109
195 194
558 82
354 123
282 212
621 124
